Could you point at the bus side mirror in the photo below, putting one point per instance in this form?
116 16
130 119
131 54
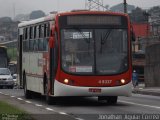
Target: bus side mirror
133 37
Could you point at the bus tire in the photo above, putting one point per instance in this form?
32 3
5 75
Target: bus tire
27 93
110 99
48 98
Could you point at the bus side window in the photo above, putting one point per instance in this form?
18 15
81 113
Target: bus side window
42 31
45 30
37 32
23 34
26 33
35 45
31 33
45 44
24 44
39 36
40 44
30 45
27 45
35 28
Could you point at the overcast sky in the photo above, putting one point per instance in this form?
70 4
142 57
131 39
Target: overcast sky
26 6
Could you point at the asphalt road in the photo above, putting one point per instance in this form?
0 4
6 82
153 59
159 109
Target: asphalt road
86 108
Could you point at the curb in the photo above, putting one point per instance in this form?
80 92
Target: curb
146 92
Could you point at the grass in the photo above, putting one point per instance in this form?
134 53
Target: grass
11 112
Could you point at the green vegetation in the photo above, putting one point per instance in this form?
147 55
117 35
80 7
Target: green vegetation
11 112
12 53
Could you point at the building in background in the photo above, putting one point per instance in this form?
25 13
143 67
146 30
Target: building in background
154 21
8 28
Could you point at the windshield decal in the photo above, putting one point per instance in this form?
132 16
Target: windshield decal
80 69
78 35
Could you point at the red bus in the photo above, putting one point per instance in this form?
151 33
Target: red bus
80 53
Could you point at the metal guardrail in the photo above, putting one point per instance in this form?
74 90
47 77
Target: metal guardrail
12 43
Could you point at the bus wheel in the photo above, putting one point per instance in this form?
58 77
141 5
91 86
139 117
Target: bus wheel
48 98
46 90
110 99
27 93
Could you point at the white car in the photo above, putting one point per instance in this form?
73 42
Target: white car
15 79
6 79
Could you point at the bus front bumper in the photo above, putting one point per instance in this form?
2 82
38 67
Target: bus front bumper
61 90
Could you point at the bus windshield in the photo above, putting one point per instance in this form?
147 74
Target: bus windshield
94 51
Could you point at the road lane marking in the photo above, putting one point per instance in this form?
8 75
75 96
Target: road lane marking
49 109
63 113
38 105
19 98
139 104
12 96
0 92
79 119
28 101
140 88
6 94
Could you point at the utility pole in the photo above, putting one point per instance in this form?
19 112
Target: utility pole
125 6
14 10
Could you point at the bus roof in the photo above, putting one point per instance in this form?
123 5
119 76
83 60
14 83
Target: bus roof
92 12
39 20
52 16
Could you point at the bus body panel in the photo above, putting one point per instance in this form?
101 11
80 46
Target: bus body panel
33 64
96 81
67 90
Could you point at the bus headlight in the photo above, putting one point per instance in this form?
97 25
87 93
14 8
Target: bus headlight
66 81
123 81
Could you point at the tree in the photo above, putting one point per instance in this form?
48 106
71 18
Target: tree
139 15
37 14
5 19
120 8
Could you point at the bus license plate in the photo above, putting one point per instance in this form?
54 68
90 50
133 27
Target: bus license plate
95 90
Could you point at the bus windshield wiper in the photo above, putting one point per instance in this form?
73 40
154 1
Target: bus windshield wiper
104 39
83 35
